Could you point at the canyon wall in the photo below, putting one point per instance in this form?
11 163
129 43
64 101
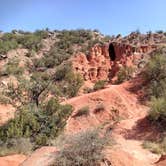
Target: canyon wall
104 61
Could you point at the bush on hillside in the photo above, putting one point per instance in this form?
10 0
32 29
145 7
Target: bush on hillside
6 46
17 92
12 68
124 74
83 149
30 41
155 78
68 82
16 146
158 111
155 75
153 147
62 71
74 83
38 83
4 99
55 57
28 90
158 147
38 63
99 85
82 111
37 124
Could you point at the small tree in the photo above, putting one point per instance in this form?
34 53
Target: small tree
38 84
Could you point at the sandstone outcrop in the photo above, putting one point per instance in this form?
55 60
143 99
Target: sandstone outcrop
104 61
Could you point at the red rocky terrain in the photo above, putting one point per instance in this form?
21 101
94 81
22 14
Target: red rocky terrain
128 125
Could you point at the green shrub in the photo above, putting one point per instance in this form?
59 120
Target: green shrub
41 139
37 63
8 42
158 146
74 83
68 82
82 111
6 46
160 31
62 71
55 90
153 147
124 74
155 79
12 68
30 41
30 53
83 149
55 57
33 89
38 84
50 62
155 75
158 111
107 38
4 99
15 93
99 85
77 40
37 124
43 34
15 146
52 106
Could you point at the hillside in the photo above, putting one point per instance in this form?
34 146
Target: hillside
60 83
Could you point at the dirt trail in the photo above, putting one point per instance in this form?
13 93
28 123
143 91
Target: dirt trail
130 132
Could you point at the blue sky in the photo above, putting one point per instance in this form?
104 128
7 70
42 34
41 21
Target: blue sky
108 16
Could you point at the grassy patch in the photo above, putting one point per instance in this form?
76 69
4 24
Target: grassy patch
82 111
16 146
99 85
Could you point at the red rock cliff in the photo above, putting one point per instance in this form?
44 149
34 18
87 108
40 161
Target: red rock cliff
103 62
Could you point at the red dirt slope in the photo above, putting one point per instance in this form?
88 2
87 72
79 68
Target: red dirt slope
41 157
129 132
13 160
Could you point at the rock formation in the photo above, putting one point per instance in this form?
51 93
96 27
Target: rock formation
104 61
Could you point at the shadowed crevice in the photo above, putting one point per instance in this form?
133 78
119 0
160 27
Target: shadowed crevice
111 51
